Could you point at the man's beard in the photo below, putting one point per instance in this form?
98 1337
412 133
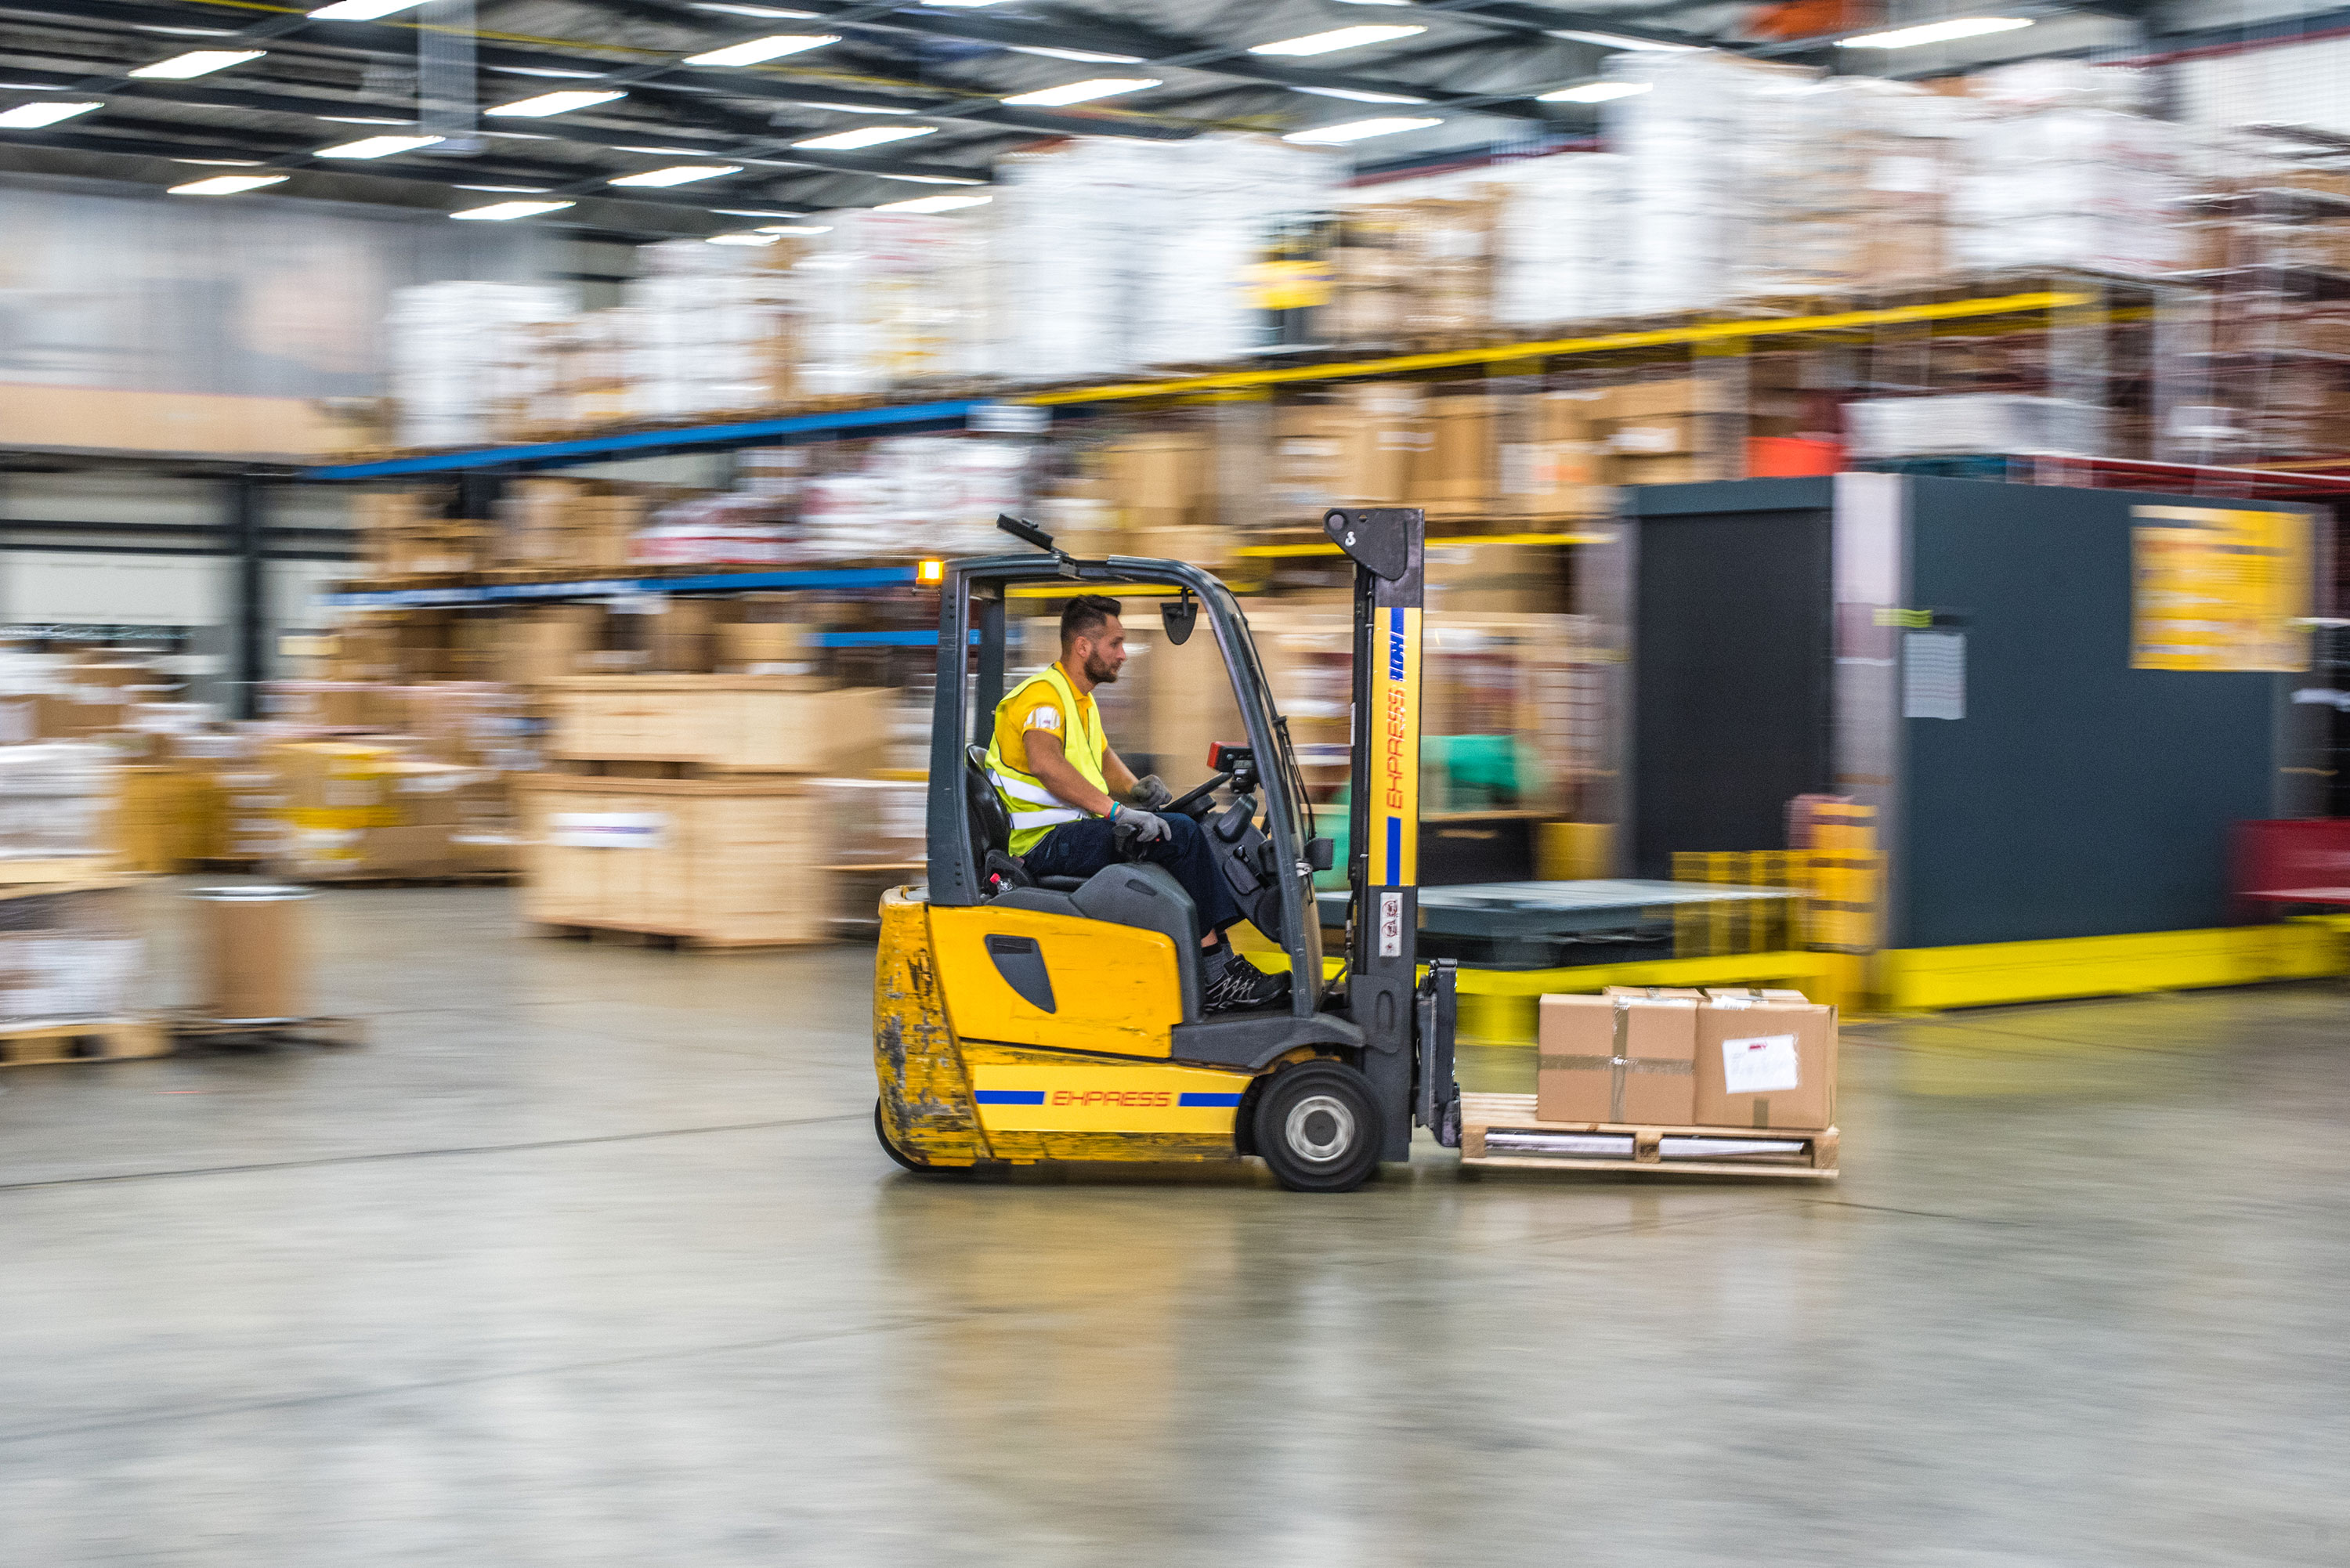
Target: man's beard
1100 671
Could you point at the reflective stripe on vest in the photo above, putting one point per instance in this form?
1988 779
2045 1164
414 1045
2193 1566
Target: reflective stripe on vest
1035 809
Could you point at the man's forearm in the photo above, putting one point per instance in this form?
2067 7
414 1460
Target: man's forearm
1059 776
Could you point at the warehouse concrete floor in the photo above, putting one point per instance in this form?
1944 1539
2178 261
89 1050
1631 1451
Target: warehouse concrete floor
589 1258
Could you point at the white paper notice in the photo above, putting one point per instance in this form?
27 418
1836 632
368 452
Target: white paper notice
608 829
1934 675
1763 1065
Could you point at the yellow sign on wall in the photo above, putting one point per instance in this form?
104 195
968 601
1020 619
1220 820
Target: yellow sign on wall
2217 589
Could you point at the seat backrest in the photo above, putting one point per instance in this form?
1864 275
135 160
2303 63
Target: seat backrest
990 824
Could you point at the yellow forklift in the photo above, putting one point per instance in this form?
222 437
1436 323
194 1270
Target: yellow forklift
1020 1019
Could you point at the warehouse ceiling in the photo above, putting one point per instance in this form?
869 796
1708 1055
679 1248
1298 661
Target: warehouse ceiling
944 80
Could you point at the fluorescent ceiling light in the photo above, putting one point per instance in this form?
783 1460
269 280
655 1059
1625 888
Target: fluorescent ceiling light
221 163
1325 42
225 184
360 10
773 48
507 190
196 63
753 213
666 151
957 4
931 179
797 229
1080 92
359 119
1087 57
548 103
855 107
677 174
1356 130
504 212
543 71
934 204
377 146
754 237
1935 33
33 115
1353 95
864 136
184 32
1594 92
1620 41
748 10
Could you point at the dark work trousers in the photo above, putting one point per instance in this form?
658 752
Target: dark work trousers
1082 848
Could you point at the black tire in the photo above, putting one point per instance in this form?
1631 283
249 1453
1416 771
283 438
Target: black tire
1318 1128
907 1162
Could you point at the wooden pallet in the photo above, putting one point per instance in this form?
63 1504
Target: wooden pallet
1816 1159
187 1026
445 879
613 933
69 873
98 1040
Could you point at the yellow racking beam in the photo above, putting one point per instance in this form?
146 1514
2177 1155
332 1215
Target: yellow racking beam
1709 332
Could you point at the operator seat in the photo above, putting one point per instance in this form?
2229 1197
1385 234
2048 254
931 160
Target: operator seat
1143 895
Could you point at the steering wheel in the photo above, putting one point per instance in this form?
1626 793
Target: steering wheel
1197 795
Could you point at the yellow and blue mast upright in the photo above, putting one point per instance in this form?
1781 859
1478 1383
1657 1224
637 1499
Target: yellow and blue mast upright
1408 1023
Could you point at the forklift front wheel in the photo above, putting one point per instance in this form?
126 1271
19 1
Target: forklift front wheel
1318 1126
881 1132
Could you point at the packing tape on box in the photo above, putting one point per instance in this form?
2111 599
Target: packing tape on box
1619 1068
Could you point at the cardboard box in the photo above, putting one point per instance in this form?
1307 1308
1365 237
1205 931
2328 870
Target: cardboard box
1455 472
1765 1065
762 648
547 642
1163 481
1617 1059
750 724
1656 435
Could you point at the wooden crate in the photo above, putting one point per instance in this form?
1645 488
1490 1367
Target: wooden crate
761 724
1814 1158
712 862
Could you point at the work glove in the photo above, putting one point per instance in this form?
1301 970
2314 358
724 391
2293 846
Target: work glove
1152 794
1145 828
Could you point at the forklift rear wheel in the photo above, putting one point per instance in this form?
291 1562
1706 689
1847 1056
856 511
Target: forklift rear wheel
1318 1127
881 1131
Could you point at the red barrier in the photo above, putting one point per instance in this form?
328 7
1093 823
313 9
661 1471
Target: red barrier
2300 861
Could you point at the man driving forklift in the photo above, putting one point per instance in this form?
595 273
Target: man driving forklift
1059 778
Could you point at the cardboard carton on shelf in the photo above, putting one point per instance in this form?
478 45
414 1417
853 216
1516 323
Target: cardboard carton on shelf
1765 1065
749 723
1161 481
1623 1059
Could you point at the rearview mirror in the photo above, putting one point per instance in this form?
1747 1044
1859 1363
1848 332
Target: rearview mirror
1181 615
1320 852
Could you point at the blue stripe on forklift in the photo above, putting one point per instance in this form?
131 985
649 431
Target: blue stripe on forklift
1395 851
1010 1097
1208 1100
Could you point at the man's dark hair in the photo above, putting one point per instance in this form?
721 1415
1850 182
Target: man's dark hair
1086 615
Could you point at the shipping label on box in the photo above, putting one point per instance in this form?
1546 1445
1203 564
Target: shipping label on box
608 829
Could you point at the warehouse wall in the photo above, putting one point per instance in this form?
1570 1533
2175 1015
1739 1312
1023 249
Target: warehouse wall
246 295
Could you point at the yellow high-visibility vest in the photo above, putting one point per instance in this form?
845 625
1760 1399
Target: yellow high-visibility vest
1036 810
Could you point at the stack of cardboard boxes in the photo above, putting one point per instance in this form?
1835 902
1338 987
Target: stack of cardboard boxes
1719 1058
690 814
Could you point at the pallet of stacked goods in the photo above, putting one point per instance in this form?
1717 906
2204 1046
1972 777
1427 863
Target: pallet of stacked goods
683 808
1654 1080
70 942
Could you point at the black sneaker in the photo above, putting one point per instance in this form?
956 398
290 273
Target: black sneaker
1230 983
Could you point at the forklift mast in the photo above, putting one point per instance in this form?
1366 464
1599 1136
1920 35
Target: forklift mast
1408 1023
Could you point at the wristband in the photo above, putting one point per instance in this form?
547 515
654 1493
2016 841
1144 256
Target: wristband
1113 813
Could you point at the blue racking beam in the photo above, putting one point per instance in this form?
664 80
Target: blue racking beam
609 587
656 444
